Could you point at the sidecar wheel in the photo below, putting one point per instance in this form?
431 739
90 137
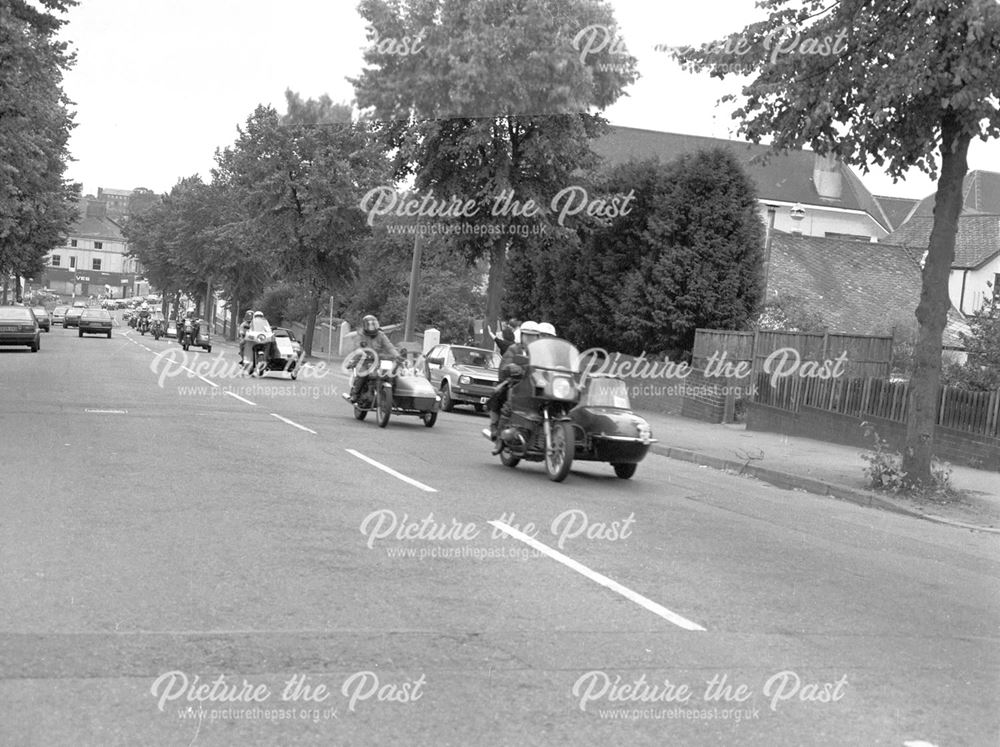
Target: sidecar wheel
429 418
625 471
559 459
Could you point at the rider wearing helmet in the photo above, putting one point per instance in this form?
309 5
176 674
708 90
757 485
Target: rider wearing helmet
241 332
376 341
511 370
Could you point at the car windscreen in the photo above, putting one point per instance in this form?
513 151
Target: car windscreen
96 314
602 392
15 314
75 311
551 352
476 357
40 312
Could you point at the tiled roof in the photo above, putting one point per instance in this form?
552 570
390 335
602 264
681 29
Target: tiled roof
896 209
784 178
977 241
851 285
980 194
93 223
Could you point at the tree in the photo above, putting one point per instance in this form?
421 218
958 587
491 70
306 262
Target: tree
687 254
302 186
37 206
895 82
478 98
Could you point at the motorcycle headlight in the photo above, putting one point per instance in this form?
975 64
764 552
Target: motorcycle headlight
562 388
464 380
261 337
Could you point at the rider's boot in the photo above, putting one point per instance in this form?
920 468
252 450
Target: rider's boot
495 432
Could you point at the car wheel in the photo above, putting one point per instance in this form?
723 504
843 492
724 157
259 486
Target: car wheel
478 407
447 403
33 347
109 335
79 333
208 349
429 418
625 471
294 373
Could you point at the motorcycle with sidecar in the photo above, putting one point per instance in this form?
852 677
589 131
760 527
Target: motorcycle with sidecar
394 387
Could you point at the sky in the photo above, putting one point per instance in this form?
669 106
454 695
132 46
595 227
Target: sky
159 85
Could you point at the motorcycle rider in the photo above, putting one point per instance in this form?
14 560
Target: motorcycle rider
376 340
258 324
241 332
144 316
511 370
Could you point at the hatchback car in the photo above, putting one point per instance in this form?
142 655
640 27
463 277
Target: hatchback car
18 326
465 376
43 318
59 314
72 317
95 321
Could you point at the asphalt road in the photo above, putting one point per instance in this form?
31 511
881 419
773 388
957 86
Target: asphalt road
218 560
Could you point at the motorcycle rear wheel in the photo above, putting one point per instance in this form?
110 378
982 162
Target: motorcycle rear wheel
507 458
559 458
360 414
625 471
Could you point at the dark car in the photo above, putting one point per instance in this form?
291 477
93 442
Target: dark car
606 429
95 321
464 375
59 314
72 318
18 326
44 320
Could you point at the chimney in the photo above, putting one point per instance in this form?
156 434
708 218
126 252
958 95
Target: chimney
798 214
826 177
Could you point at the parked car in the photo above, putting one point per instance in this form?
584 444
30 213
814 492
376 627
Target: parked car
72 317
59 314
43 318
18 326
95 321
464 375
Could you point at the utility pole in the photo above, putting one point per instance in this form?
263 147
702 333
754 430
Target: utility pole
411 304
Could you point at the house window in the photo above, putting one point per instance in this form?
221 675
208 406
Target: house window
98 244
72 262
56 259
96 264
72 242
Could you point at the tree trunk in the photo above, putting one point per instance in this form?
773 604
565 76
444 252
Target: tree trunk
932 312
6 283
494 289
307 341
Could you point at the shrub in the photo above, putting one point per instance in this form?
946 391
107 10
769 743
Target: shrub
885 469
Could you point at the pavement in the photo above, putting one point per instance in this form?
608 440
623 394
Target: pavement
822 468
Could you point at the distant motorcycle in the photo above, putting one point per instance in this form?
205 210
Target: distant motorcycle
157 328
143 325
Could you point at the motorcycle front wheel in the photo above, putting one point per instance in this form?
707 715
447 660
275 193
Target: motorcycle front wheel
383 405
559 453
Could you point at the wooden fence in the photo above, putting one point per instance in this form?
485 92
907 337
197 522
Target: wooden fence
866 355
863 397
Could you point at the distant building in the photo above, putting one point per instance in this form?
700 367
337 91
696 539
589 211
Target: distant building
836 204
116 201
975 271
92 260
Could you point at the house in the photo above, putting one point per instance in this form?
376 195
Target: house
835 202
975 271
92 259
851 286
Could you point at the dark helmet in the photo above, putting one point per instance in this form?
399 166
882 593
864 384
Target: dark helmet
369 325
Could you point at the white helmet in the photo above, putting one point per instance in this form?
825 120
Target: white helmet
529 328
547 329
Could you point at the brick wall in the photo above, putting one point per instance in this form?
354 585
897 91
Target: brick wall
950 445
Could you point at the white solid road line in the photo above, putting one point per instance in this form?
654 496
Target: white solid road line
293 423
236 396
639 599
391 471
